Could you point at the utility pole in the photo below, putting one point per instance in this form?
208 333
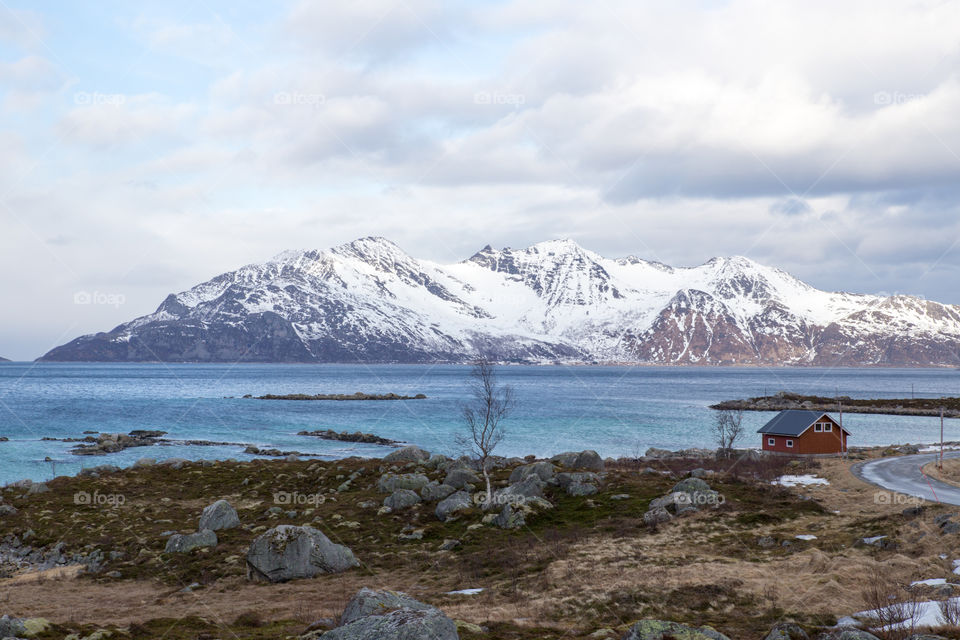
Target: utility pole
843 434
940 464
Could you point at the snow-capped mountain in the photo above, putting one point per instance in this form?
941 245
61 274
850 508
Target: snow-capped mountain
368 301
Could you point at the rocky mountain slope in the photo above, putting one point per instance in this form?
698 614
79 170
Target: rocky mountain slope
368 301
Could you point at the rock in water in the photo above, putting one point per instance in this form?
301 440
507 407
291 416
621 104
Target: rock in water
184 543
219 515
660 630
287 552
374 602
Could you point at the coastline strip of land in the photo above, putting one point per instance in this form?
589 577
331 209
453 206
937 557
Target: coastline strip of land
886 406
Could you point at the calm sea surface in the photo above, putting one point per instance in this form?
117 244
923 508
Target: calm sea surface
614 410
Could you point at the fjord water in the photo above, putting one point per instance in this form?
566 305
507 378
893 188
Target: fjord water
614 410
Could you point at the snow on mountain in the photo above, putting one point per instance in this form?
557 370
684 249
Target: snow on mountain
369 301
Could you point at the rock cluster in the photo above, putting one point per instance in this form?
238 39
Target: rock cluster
344 436
687 496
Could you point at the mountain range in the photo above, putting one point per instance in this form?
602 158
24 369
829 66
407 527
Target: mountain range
368 301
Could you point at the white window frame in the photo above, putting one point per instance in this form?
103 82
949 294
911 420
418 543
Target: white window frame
790 443
828 426
818 427
771 442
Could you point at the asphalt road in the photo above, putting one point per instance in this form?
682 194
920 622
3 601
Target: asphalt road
903 474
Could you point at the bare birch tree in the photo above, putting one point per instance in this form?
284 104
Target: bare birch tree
727 429
483 415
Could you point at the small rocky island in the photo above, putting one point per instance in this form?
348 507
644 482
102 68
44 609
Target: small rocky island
888 406
344 436
338 396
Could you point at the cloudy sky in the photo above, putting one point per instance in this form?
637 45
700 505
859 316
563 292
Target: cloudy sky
145 147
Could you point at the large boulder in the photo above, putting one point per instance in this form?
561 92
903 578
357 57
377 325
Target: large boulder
376 602
390 482
787 631
661 630
589 460
401 499
402 624
459 501
184 543
461 478
407 454
543 470
509 518
219 515
435 491
691 485
655 516
287 552
529 487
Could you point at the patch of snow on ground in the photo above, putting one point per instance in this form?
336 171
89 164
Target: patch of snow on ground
793 481
465 592
927 615
956 567
936 449
931 582
873 539
806 536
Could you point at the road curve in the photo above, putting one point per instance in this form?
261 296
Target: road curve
903 474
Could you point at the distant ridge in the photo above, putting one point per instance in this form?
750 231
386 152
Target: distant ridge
368 301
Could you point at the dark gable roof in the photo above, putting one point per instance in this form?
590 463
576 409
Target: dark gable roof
791 422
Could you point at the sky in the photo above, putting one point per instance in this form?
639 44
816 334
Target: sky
147 147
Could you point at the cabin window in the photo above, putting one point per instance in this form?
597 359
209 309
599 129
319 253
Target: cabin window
818 427
771 441
789 443
828 427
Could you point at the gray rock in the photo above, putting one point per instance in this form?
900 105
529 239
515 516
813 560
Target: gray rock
7 510
401 499
144 462
589 460
287 552
434 491
407 454
691 485
847 634
656 516
701 473
509 518
38 487
11 627
376 602
449 545
543 470
219 515
529 487
567 478
184 543
787 631
661 630
390 482
402 624
620 496
435 461
461 478
174 463
766 542
459 501
581 489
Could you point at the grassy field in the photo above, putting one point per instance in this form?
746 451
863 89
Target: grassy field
585 565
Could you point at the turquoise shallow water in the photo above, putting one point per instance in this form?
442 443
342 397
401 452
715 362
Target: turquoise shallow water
614 410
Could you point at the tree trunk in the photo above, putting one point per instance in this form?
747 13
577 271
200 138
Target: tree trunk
486 477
